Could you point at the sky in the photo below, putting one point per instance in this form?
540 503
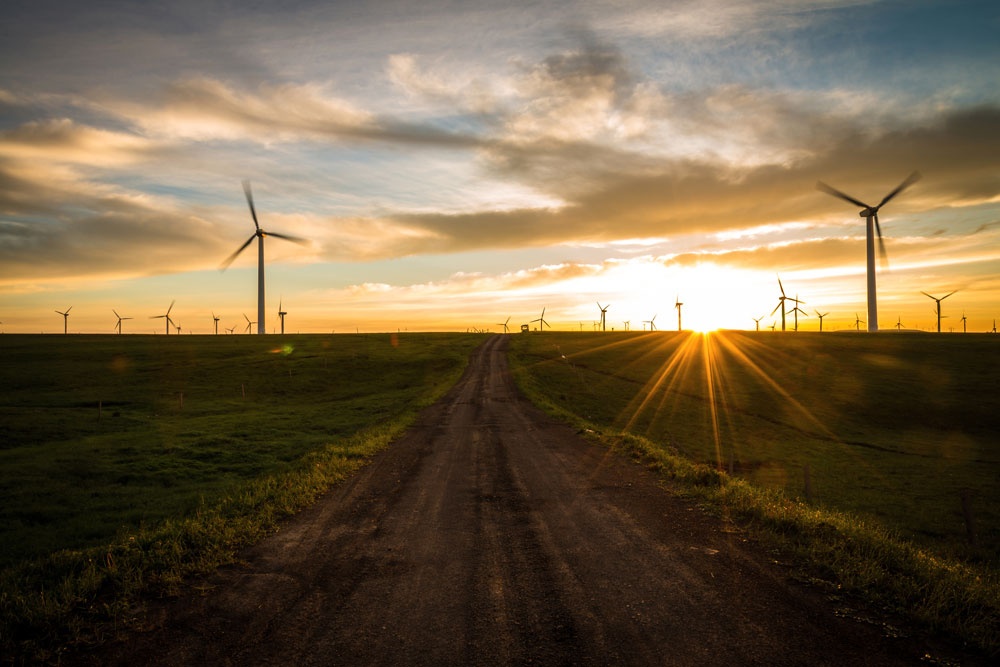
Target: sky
455 164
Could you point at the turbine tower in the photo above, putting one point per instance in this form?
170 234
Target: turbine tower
65 319
937 302
604 315
677 305
870 213
258 234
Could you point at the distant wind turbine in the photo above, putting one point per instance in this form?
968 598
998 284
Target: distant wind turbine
781 303
937 303
230 329
120 318
505 323
964 329
65 319
795 312
994 330
249 324
604 315
215 318
541 321
651 323
627 323
258 234
858 322
166 317
756 321
820 316
870 213
899 323
677 305
281 314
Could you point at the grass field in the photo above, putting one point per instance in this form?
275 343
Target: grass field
104 434
899 428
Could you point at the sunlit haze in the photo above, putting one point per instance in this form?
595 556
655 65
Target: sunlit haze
452 165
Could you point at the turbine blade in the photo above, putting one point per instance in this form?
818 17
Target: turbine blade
820 185
910 180
293 239
249 194
927 295
948 294
171 307
229 260
882 255
780 286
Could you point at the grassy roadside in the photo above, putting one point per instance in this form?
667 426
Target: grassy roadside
81 594
850 555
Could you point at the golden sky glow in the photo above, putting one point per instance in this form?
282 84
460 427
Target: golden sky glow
451 168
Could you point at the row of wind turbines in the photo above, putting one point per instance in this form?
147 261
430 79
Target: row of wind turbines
169 322
872 228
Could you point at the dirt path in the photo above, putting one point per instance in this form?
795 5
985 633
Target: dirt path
491 535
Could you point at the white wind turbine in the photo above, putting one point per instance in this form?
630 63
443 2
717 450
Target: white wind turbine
215 318
604 315
120 318
541 321
258 234
870 213
165 316
937 302
504 324
65 319
249 324
820 316
281 314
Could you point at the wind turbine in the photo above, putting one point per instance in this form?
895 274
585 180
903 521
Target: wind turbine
249 324
216 319
230 329
899 323
281 314
165 316
258 234
627 323
870 213
858 322
937 302
820 316
756 321
120 318
994 327
651 323
781 304
796 310
65 319
541 321
964 330
505 322
677 305
604 314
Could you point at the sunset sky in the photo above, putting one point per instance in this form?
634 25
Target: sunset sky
453 164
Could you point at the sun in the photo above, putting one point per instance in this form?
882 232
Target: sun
714 297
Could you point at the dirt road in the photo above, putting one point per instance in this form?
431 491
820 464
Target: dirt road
491 535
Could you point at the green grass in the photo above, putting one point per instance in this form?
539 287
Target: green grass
893 429
130 462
